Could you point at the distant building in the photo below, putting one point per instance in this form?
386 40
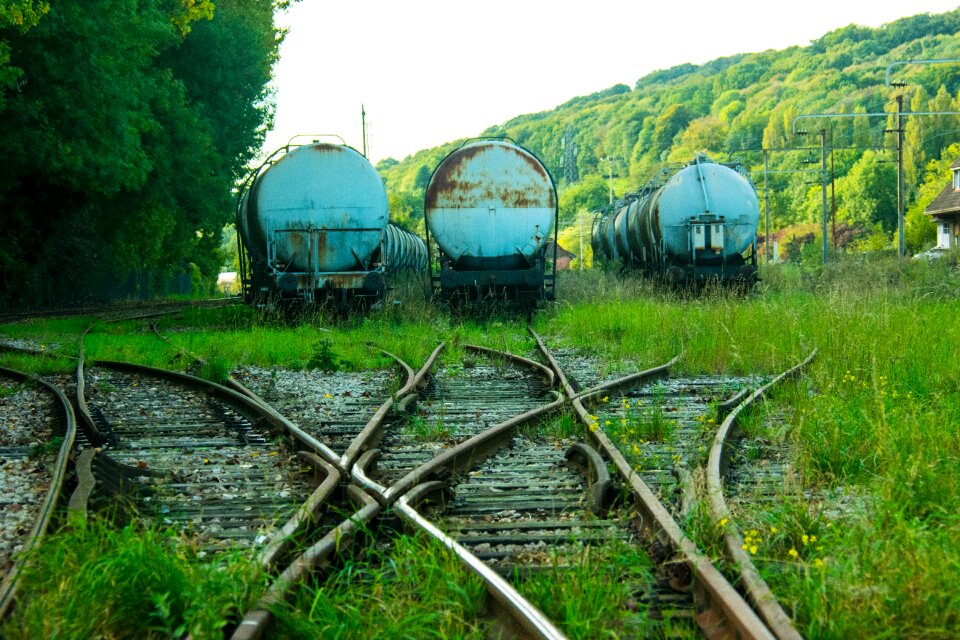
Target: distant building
563 256
945 210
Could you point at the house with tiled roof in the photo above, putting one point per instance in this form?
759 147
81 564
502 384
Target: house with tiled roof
945 210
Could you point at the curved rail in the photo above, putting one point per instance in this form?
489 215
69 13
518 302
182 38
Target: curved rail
9 585
455 456
728 610
527 617
756 587
373 431
256 621
255 408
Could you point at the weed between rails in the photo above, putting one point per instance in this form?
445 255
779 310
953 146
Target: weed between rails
595 594
415 588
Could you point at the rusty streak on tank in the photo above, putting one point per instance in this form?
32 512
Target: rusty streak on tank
323 147
447 186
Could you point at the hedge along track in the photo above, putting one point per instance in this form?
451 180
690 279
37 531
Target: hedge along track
756 588
454 404
723 612
16 453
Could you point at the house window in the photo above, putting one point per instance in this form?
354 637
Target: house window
956 180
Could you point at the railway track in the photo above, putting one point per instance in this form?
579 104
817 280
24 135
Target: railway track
453 403
36 436
189 453
514 503
108 312
333 409
737 549
539 502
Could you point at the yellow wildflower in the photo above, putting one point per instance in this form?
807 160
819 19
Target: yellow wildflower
805 539
327 395
724 521
753 549
773 529
793 553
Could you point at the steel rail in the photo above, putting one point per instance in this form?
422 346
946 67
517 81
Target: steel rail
527 617
371 434
256 620
457 455
306 514
757 590
8 587
252 408
729 610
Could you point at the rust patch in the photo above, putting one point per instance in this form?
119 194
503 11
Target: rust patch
321 249
324 147
448 184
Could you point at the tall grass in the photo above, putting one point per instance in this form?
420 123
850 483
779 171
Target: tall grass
93 581
594 596
873 426
414 589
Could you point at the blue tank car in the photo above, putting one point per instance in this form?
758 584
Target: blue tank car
491 208
313 225
695 223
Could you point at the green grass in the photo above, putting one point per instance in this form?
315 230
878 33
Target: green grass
414 589
594 595
91 580
874 417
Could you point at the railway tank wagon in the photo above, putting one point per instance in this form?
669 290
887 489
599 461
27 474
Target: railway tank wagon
698 223
313 225
491 208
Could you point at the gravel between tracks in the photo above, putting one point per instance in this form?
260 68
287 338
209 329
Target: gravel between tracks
25 463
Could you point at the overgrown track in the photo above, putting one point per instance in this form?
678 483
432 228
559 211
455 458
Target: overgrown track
537 503
720 452
721 611
187 452
455 403
334 411
36 438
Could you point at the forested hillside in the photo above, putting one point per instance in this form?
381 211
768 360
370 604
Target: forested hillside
735 106
126 125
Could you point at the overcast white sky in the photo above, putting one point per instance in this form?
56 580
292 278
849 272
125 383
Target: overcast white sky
431 71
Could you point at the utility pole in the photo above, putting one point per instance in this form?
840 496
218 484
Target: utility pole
580 221
363 128
901 249
766 208
823 189
609 162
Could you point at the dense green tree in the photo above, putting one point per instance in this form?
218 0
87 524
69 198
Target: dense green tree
755 97
588 195
870 193
131 122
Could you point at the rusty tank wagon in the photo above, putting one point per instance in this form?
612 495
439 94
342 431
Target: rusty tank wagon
490 209
313 226
691 224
